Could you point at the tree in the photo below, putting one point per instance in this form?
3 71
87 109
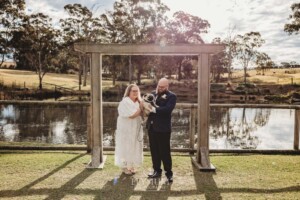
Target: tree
294 26
230 50
263 62
184 28
247 45
80 26
37 42
11 14
133 21
285 64
294 64
218 66
187 68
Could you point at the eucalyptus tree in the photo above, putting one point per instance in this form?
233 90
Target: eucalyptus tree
294 25
184 28
37 41
80 26
11 14
263 62
135 22
230 49
221 62
294 64
218 65
246 48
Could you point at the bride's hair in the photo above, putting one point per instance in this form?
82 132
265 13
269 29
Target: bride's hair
128 89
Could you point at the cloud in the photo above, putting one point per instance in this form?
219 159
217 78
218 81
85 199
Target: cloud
266 17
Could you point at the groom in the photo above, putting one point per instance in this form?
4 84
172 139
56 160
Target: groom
159 130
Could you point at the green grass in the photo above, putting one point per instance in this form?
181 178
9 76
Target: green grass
63 175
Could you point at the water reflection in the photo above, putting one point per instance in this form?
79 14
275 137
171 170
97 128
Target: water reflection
247 128
230 128
41 123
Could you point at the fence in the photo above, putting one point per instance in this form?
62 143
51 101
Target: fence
192 126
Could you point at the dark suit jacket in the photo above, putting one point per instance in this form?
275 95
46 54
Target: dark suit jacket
161 120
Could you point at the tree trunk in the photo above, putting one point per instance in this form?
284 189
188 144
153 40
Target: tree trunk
245 75
40 82
139 77
79 73
40 73
179 71
114 78
2 60
130 70
85 67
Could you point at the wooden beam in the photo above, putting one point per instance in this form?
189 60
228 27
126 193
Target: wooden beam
97 123
89 132
296 129
202 156
148 49
192 128
178 105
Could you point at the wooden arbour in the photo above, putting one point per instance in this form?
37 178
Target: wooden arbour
201 160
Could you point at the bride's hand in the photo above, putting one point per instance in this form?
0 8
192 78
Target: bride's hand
142 105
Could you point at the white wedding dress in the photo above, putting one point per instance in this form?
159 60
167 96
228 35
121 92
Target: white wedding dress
129 136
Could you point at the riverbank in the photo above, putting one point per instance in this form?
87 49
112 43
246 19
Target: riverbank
62 175
275 86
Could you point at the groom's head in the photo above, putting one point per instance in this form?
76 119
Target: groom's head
162 86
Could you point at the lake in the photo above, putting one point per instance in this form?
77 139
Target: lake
230 128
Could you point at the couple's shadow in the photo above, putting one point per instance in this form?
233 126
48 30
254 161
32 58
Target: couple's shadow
125 186
154 185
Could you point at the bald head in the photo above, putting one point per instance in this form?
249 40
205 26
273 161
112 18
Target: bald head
163 85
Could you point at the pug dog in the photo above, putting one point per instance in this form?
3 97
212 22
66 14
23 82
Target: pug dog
148 104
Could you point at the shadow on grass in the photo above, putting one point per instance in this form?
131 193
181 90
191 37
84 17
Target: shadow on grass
26 190
121 187
206 184
126 187
51 173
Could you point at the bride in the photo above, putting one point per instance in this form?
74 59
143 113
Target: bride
129 133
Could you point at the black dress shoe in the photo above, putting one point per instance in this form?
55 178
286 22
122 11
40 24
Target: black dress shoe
170 179
155 174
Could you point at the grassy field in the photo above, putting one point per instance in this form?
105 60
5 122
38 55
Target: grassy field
18 77
272 76
63 175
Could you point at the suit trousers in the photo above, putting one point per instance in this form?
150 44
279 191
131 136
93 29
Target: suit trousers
160 151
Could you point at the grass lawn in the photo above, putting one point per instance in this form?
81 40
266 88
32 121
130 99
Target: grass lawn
62 175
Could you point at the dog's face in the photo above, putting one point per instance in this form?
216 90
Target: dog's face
148 98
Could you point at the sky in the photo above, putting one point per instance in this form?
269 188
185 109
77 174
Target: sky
267 17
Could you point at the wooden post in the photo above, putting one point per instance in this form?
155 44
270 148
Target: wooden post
296 130
89 132
202 158
192 128
97 160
